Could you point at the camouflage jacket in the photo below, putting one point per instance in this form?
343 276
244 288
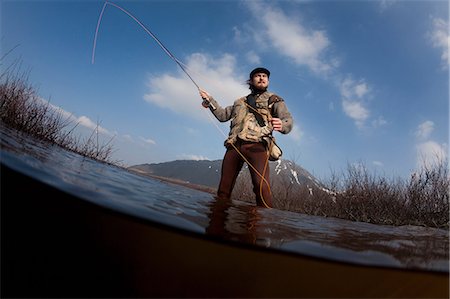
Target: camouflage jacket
244 123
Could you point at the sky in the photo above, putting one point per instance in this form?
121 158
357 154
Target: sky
367 82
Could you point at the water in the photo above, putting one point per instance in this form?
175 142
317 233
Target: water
194 211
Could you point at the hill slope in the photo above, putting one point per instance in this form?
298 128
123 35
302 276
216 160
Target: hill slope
207 173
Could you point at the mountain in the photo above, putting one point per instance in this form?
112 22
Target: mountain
201 172
207 173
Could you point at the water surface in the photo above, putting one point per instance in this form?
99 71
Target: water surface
193 211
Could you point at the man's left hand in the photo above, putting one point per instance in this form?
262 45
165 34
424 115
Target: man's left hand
277 124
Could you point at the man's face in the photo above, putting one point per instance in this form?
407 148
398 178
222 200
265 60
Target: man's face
260 81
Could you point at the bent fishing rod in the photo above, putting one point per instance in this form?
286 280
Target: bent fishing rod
206 102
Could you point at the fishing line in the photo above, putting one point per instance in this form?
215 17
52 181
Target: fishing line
184 69
96 32
146 30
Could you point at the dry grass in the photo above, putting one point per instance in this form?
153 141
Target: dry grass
21 108
358 195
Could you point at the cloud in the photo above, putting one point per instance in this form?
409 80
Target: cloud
58 110
353 95
289 37
147 140
361 90
440 39
70 117
253 57
431 153
356 111
425 129
380 121
351 89
216 75
237 34
241 37
88 123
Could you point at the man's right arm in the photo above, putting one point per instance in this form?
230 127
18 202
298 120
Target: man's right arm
222 114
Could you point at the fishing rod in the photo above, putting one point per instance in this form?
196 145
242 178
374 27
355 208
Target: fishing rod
206 102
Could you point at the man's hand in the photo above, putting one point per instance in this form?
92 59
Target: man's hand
205 96
277 124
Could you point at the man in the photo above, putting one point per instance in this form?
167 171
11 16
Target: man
253 118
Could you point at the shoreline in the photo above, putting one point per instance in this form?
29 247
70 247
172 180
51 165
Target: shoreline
175 181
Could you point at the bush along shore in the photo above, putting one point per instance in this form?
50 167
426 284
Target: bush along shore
355 194
359 195
21 108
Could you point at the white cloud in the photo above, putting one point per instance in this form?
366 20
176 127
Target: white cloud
425 129
353 100
356 111
70 117
88 123
253 57
380 121
440 39
215 75
361 90
351 89
239 36
58 110
147 140
289 37
431 153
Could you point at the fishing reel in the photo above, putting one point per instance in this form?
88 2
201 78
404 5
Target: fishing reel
207 103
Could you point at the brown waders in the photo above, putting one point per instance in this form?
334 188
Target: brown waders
256 155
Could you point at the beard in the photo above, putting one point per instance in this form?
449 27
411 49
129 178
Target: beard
257 89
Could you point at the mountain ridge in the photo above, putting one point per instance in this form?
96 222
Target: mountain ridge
207 172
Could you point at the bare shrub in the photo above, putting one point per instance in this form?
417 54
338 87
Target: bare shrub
22 108
427 195
360 195
423 200
243 188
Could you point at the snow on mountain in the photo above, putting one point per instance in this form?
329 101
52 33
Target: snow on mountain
207 173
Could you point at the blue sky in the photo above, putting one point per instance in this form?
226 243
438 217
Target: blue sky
366 81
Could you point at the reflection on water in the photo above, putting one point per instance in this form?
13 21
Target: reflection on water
235 221
231 222
363 243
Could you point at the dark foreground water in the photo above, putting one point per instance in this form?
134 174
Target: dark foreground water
409 247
